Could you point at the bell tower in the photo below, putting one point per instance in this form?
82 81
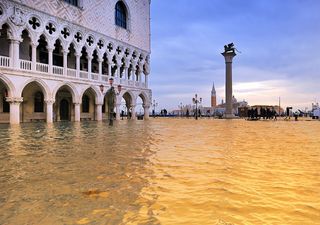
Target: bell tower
213 96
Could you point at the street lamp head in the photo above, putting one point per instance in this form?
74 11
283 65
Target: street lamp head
111 81
101 88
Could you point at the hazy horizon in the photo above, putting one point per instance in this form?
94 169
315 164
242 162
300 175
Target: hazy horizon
277 40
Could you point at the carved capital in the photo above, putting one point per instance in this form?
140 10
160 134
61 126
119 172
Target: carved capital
14 100
49 101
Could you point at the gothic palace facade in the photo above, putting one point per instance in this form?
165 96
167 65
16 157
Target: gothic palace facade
57 56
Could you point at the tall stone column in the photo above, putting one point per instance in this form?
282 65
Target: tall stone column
49 104
50 54
65 62
14 109
228 56
34 56
78 55
77 112
146 111
15 53
146 80
89 57
118 111
100 60
99 112
133 112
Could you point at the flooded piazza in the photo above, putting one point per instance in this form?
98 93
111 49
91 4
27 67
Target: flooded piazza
161 171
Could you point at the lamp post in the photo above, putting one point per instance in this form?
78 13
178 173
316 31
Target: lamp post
112 94
154 105
196 102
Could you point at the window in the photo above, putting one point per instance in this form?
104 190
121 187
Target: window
121 15
38 102
85 104
72 2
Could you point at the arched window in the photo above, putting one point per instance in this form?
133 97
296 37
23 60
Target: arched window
121 15
38 102
85 104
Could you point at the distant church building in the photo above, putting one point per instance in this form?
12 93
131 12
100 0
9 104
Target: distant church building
213 97
57 56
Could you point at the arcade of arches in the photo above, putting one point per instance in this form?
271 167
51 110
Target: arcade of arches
35 104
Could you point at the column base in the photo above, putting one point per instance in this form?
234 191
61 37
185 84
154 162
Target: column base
229 116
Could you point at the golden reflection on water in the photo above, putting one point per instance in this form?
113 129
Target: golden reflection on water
164 171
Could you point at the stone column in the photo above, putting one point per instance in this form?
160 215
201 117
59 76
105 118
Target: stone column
109 69
100 68
14 109
146 80
15 53
65 62
78 64
89 57
77 112
146 111
49 104
50 54
126 72
99 112
118 111
229 104
133 112
34 56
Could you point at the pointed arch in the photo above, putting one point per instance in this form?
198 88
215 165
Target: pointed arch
71 88
96 92
144 97
8 84
44 87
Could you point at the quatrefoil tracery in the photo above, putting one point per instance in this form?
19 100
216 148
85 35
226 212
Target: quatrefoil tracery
34 22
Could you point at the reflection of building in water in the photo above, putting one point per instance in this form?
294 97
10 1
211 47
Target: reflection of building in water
56 58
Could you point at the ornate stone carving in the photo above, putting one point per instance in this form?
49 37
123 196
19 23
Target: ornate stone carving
17 18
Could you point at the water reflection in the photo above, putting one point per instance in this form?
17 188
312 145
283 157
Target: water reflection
160 172
48 171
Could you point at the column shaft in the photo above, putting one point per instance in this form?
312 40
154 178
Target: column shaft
15 53
76 112
118 111
49 112
14 112
146 81
50 54
78 65
65 62
98 112
229 88
133 112
34 57
146 112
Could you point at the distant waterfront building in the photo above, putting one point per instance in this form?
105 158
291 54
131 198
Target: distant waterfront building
56 57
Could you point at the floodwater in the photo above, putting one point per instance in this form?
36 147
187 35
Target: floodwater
163 171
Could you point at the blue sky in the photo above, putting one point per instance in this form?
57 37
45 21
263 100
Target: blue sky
279 41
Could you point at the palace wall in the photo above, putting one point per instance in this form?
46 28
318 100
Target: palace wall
99 15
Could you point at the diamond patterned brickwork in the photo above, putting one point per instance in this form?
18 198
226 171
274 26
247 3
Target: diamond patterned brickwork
98 15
